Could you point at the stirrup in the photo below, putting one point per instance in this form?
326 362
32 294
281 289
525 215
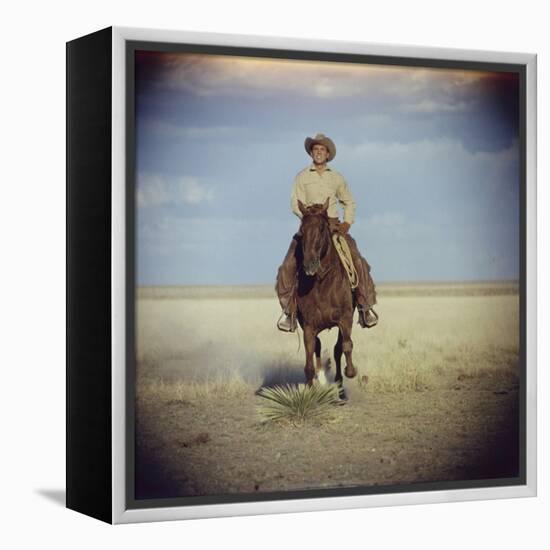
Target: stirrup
286 323
367 318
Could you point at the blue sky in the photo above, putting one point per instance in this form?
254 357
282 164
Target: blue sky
430 155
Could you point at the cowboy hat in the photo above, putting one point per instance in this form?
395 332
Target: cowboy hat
321 139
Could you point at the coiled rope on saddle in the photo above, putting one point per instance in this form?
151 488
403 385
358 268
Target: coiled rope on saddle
344 253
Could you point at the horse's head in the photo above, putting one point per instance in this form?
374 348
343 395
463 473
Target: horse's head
315 235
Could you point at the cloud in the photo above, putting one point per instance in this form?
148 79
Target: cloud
189 231
152 190
215 75
397 102
442 159
156 190
193 192
431 106
170 130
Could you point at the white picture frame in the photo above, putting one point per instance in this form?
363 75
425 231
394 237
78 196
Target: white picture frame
116 509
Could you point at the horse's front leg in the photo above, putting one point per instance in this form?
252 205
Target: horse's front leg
338 362
319 369
309 343
347 347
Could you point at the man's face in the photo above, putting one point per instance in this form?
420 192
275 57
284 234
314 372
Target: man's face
319 154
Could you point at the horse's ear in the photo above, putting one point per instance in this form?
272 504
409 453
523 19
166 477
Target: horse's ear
325 206
302 207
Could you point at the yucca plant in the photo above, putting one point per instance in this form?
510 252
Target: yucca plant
297 404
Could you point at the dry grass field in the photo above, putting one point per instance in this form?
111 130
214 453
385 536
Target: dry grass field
441 403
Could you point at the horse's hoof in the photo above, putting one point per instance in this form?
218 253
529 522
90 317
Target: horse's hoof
350 372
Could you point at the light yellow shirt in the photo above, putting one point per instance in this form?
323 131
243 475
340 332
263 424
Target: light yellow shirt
312 187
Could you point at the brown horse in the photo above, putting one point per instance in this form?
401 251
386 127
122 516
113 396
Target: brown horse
324 296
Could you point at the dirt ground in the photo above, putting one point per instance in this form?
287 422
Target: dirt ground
457 420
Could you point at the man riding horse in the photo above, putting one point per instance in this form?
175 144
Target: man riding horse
314 185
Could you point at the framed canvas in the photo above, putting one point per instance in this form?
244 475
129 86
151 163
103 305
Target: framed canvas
223 357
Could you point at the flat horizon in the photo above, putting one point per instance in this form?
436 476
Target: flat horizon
381 283
384 290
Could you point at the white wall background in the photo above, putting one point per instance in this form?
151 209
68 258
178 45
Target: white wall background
32 311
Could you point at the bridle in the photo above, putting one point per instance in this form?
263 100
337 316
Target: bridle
325 264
